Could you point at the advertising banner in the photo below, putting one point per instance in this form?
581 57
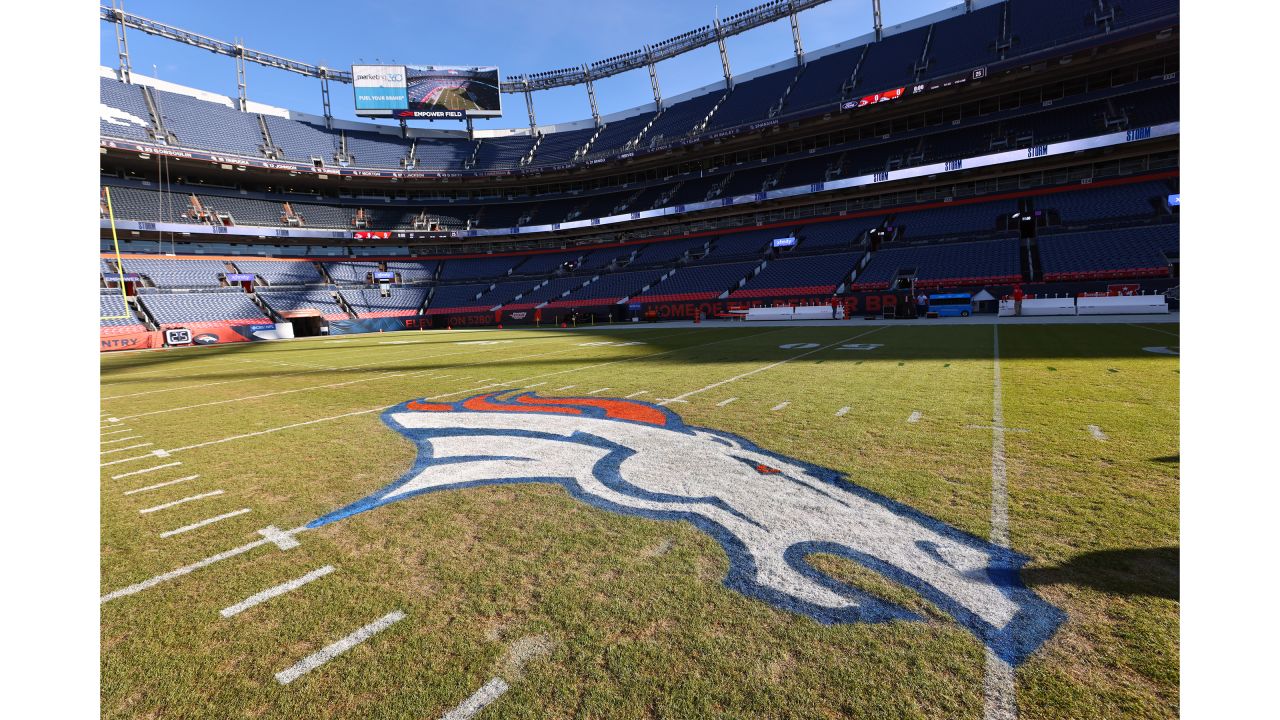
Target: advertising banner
429 92
379 87
129 341
382 324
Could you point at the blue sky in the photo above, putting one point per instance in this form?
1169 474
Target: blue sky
518 37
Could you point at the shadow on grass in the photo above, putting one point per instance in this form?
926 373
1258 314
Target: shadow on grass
1148 571
899 343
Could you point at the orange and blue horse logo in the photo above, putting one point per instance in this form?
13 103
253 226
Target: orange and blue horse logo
769 512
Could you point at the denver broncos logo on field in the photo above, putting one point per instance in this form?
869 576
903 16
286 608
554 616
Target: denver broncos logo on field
769 512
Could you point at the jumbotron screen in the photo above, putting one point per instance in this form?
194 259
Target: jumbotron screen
429 92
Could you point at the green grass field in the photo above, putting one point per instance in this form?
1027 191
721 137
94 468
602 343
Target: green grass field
589 613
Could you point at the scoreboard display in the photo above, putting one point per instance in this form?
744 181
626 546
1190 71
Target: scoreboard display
426 92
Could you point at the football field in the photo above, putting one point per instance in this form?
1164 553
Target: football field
897 521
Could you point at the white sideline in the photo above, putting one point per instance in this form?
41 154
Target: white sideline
479 700
278 590
175 503
770 366
270 535
159 485
202 523
145 470
315 660
998 686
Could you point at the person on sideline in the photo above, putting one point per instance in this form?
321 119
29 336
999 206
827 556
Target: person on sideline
1017 300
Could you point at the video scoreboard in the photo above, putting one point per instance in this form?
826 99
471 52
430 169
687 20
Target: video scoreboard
426 92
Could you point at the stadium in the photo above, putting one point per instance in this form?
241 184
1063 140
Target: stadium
843 386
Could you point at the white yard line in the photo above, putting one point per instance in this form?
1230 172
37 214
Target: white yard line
175 503
480 699
380 408
116 440
381 360
117 430
315 660
722 403
998 688
635 394
1147 327
130 447
202 523
146 470
278 429
159 485
915 417
770 366
276 591
1097 433
998 683
597 390
566 387
842 411
992 427
246 398
385 376
148 456
270 535
781 406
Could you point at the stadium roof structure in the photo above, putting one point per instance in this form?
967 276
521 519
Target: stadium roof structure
526 83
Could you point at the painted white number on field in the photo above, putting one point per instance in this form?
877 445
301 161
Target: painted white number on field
484 342
798 346
609 343
861 346
1162 350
